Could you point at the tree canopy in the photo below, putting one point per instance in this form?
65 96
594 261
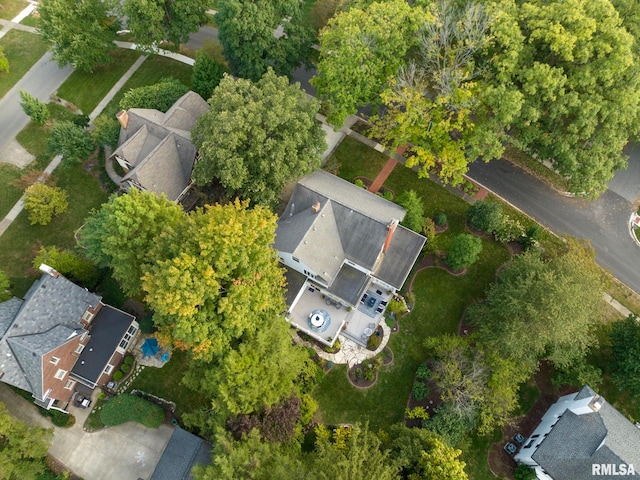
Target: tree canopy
153 21
160 96
625 346
70 141
24 448
359 50
569 71
259 34
43 202
257 136
81 33
542 308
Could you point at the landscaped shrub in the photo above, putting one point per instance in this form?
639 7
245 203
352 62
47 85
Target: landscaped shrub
59 419
82 120
374 342
396 307
412 203
449 424
441 219
531 237
43 202
359 183
333 349
117 375
429 231
423 372
485 216
125 368
416 413
524 472
387 195
37 110
206 74
464 252
420 391
159 96
509 230
127 407
128 360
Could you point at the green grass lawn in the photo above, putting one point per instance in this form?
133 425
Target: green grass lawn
30 21
9 194
151 71
85 90
10 8
22 49
165 382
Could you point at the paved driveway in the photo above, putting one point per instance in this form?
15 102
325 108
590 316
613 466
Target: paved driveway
126 452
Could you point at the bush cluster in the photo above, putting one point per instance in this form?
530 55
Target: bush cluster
420 390
464 252
485 216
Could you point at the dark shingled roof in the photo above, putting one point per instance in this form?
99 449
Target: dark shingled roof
106 330
8 311
350 284
577 442
295 281
400 256
181 454
50 302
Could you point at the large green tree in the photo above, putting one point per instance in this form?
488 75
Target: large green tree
70 141
258 34
570 74
153 21
80 32
625 346
543 308
257 136
23 448
122 232
360 49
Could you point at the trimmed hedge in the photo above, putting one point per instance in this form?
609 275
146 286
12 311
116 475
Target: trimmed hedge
127 407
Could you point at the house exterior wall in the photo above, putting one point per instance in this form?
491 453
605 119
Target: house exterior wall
114 361
67 356
547 423
301 267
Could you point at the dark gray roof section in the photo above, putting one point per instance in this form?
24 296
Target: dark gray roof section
400 256
158 146
295 281
107 329
577 442
181 454
29 349
8 311
350 284
50 302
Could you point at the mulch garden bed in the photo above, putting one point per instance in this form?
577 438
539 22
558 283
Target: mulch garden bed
429 403
387 356
356 376
441 228
378 333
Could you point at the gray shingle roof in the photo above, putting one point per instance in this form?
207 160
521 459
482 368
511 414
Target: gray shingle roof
350 284
577 442
49 303
8 311
183 451
351 224
158 145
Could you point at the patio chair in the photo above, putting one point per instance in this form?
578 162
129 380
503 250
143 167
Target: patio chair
372 326
383 303
378 292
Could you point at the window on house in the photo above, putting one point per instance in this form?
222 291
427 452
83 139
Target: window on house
69 385
131 330
60 374
295 259
54 360
124 343
87 316
109 369
79 348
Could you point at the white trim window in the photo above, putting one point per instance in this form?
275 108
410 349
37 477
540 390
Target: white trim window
79 348
108 369
60 374
69 385
54 360
87 316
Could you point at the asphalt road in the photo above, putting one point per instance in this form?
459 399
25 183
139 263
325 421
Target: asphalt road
603 221
44 78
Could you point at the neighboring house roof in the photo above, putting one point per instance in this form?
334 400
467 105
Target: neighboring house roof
158 146
577 441
53 307
107 329
181 454
350 224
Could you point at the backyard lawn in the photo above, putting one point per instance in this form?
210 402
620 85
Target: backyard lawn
165 383
85 90
10 8
9 194
22 49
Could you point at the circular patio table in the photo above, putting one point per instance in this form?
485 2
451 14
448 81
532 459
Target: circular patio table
319 318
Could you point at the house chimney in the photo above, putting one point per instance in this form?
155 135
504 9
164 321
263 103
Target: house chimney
123 118
393 224
44 268
315 208
596 403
